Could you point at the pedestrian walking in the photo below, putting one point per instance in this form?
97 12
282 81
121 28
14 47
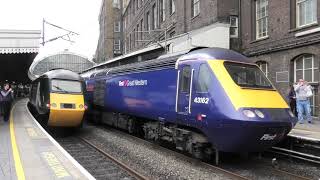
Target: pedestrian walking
303 93
7 94
292 100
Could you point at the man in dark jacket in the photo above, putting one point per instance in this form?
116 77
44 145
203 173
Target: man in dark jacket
292 101
1 103
7 98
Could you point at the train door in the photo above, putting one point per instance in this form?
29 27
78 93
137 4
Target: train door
201 99
42 96
184 92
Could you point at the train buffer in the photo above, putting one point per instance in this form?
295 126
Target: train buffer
28 152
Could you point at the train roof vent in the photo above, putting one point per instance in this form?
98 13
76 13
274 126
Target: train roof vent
173 54
154 64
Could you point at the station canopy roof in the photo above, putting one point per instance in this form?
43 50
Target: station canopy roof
18 48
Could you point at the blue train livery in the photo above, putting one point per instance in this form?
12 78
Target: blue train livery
205 101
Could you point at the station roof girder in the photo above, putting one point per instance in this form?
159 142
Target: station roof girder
18 48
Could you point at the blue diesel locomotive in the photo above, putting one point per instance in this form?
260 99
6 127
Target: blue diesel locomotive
204 101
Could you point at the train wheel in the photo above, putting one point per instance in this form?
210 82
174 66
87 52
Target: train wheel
202 151
208 153
150 131
131 125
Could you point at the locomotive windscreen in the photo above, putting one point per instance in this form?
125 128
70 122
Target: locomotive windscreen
65 86
246 75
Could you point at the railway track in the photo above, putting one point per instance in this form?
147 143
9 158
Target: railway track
296 155
99 163
229 173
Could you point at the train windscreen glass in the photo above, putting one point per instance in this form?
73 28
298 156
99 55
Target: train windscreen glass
64 86
248 76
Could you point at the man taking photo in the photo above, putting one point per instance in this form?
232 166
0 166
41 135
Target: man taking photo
303 93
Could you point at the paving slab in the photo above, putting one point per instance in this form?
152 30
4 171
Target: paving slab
307 131
28 152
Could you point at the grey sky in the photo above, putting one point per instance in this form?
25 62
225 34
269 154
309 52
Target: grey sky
77 15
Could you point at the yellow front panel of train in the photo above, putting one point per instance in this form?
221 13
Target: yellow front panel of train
245 97
66 110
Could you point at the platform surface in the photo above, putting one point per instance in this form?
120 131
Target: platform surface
306 131
28 152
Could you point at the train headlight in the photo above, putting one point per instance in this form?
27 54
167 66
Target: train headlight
249 113
54 105
291 113
81 106
259 113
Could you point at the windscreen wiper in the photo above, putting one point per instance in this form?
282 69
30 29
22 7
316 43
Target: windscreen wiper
65 91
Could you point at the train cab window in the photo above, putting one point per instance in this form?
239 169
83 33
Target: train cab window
204 79
185 79
247 76
65 86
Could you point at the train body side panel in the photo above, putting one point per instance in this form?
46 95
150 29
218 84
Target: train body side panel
146 94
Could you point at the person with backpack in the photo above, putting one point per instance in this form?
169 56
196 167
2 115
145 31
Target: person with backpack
7 98
303 94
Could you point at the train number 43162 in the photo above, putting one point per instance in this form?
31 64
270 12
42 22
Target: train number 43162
201 100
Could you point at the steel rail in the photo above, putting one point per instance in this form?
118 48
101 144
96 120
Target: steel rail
296 154
123 166
291 174
210 166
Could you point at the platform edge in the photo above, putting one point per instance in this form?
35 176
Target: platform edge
64 152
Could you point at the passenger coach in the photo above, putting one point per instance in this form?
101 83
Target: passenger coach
57 97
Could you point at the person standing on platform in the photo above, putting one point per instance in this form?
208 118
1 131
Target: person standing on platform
7 94
292 101
303 93
1 104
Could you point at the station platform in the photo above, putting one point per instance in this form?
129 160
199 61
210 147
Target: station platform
306 131
27 151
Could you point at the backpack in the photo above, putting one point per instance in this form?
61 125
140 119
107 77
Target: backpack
309 92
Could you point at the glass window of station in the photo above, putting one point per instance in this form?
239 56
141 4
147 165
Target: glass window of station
195 8
306 67
261 19
263 66
306 12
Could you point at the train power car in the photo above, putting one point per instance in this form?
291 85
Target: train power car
57 97
205 101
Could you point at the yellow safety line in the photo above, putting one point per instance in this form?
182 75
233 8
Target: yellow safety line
15 150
